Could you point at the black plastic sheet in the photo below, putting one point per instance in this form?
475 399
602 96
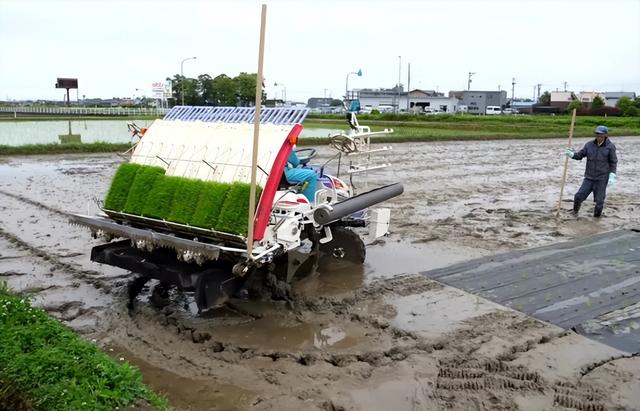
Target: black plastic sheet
591 285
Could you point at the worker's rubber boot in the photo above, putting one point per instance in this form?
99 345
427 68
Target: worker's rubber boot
576 207
597 212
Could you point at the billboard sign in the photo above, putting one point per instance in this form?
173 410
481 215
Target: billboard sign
67 83
162 89
157 88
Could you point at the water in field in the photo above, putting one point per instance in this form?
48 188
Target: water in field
17 133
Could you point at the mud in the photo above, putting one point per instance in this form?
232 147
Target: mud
374 337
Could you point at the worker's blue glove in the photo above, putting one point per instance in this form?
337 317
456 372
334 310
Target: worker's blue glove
612 178
569 152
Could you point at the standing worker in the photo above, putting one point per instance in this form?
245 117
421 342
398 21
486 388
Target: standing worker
601 170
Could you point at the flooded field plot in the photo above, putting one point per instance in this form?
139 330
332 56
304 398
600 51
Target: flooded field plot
376 337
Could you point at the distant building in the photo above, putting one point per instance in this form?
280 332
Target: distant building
523 107
611 98
386 97
588 96
561 99
477 101
396 98
434 103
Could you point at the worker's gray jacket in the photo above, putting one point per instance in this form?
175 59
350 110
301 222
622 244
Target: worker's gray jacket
601 160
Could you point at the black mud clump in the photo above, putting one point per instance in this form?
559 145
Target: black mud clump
11 399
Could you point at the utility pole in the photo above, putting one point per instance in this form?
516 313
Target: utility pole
408 84
396 107
539 87
469 81
182 82
513 89
565 86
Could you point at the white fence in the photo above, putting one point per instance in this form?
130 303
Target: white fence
84 111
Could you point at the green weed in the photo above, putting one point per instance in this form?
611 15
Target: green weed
43 364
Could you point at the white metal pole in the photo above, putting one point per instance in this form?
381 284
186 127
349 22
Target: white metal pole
397 107
408 85
566 162
256 133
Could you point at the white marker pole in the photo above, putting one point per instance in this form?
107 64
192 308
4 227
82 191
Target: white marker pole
256 133
566 162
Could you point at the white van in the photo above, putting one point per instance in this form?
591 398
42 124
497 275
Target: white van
385 109
491 110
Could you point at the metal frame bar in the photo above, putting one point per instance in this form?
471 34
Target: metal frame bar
277 115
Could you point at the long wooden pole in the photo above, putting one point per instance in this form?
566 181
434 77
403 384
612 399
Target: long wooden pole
566 162
256 133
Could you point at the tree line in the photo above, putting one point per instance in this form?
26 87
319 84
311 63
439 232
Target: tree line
221 90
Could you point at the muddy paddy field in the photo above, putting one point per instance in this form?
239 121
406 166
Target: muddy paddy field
375 337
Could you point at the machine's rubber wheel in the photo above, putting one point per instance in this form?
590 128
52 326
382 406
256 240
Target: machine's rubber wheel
134 288
215 286
310 265
160 295
300 262
345 246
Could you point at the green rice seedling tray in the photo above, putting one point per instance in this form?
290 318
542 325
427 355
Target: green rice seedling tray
120 185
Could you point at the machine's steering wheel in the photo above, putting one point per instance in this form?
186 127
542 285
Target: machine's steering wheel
306 154
344 144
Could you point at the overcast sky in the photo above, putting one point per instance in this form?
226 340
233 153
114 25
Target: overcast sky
115 47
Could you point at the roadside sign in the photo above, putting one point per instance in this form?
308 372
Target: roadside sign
157 88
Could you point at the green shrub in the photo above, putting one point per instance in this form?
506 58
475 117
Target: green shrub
210 203
160 198
235 211
142 184
120 186
186 200
51 368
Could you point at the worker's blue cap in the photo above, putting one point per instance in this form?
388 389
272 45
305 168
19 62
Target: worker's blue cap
602 130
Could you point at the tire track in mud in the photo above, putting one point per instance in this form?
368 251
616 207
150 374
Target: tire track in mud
34 203
578 397
468 374
66 311
81 307
56 263
401 344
